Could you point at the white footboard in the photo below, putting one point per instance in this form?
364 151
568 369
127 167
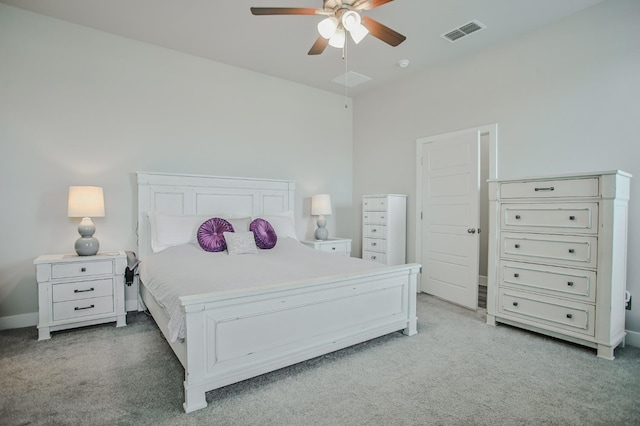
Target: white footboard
233 337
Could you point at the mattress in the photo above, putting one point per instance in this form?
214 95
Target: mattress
187 270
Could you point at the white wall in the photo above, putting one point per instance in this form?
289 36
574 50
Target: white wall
82 107
566 99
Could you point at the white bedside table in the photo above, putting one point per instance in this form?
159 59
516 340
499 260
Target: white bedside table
339 246
75 291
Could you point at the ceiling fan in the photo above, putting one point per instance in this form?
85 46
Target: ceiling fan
342 16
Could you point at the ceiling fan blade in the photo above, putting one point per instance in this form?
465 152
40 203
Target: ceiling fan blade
319 46
382 32
284 11
368 4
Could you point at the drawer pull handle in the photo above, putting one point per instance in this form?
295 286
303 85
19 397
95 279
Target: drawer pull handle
374 230
569 316
572 251
515 303
516 275
333 248
86 307
374 244
83 269
549 188
572 218
83 291
518 216
570 283
373 257
517 246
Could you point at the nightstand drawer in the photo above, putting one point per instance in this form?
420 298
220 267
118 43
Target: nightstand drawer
334 248
82 290
82 308
376 257
81 269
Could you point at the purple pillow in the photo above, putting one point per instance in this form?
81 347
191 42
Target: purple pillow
210 234
263 233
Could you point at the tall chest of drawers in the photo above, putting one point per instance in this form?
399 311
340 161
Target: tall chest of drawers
384 228
557 256
76 291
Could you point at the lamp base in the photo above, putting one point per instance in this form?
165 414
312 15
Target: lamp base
322 233
87 246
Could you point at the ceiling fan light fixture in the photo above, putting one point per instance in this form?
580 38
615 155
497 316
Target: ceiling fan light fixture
358 33
351 20
328 26
338 38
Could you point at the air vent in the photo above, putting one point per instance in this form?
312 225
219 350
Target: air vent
463 31
351 79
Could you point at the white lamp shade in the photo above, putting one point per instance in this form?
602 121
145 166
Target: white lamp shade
327 27
320 204
358 33
338 38
86 201
351 20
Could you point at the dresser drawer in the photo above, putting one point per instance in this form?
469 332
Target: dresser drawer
547 312
82 308
570 217
82 290
376 257
551 188
374 231
554 249
374 244
334 248
81 269
576 284
374 218
374 204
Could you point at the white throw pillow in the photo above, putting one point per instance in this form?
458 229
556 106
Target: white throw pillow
283 224
173 230
240 242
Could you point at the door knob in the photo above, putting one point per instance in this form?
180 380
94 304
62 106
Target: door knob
471 230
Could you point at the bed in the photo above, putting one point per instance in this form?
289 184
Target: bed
232 334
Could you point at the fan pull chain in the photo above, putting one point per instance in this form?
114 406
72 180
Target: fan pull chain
346 70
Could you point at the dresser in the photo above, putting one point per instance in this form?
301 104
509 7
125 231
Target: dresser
557 256
337 246
75 291
384 228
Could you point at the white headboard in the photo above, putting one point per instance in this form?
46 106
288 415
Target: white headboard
182 194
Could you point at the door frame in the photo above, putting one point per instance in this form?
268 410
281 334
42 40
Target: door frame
492 131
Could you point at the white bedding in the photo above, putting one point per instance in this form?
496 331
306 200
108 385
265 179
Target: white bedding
188 270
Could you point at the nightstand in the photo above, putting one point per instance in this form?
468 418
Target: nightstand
76 291
339 246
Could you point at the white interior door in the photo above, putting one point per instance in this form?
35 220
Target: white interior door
450 187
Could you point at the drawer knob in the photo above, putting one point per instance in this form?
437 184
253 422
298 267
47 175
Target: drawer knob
374 230
569 316
515 303
517 246
516 275
373 257
83 291
572 218
83 269
549 188
570 283
86 307
374 244
518 216
572 251
333 248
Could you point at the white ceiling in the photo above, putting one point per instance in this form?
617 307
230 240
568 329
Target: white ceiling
227 32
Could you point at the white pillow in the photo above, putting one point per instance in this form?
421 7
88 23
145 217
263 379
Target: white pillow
173 230
240 224
283 224
240 242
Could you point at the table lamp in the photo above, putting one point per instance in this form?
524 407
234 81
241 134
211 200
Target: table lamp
321 206
86 202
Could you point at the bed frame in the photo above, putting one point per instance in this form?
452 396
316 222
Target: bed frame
235 336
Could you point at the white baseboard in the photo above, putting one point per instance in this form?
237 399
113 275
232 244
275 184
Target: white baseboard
633 339
19 321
